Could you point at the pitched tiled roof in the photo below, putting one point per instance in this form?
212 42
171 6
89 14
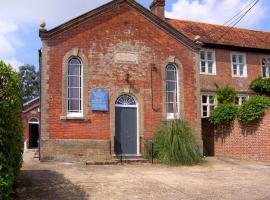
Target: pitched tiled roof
211 34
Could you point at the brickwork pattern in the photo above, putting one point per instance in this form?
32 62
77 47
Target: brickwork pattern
240 141
120 30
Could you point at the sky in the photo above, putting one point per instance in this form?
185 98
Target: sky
20 20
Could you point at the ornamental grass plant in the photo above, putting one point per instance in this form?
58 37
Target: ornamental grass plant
174 145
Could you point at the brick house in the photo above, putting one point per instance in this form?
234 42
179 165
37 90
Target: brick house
31 119
111 76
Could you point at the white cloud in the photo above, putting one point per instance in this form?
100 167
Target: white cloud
217 11
15 15
9 43
53 12
14 63
6 44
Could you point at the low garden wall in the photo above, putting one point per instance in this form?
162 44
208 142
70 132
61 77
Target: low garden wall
239 141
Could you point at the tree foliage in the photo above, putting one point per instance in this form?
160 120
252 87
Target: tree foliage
253 109
10 128
225 94
226 111
174 145
261 86
223 114
30 82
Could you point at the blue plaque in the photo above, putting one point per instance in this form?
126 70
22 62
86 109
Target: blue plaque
100 100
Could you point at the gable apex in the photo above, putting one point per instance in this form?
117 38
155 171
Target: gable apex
162 24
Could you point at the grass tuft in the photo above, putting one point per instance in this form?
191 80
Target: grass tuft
174 145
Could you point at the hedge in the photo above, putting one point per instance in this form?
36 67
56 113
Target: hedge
10 129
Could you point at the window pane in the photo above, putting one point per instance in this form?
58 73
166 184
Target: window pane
170 108
74 105
235 69
204 99
74 70
209 56
171 86
203 66
240 58
74 81
241 70
74 61
171 96
263 61
210 67
202 54
234 58
171 68
205 111
264 72
244 99
74 93
171 75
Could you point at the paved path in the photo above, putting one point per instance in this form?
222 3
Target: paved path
218 179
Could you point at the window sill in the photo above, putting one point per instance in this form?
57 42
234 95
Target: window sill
78 118
207 74
234 76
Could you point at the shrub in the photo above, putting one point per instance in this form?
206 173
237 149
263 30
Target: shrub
225 94
10 129
223 114
174 145
253 109
261 86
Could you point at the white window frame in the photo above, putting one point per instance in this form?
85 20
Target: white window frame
237 63
267 67
241 96
171 116
75 114
207 104
214 70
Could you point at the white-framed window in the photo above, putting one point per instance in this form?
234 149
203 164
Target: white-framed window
172 92
240 99
207 62
266 67
74 88
208 103
239 66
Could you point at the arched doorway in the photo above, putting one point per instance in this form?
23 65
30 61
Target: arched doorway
33 133
126 126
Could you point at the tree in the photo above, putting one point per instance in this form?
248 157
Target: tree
29 81
10 129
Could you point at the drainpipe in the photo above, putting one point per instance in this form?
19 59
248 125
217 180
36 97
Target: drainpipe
40 88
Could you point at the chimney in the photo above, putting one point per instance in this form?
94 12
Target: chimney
158 8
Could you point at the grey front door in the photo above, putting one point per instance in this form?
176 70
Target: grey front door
126 126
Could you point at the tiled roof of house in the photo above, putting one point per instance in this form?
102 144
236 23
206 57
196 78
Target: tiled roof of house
211 34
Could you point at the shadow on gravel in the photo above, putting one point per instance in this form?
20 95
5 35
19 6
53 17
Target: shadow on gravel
45 184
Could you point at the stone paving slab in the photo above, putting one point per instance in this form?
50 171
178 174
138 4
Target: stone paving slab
218 178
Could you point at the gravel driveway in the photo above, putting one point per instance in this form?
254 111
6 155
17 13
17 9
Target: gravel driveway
217 179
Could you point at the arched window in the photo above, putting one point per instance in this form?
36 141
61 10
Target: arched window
172 96
74 87
33 121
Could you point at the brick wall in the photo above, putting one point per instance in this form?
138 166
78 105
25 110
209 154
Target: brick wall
122 29
224 72
30 111
238 141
